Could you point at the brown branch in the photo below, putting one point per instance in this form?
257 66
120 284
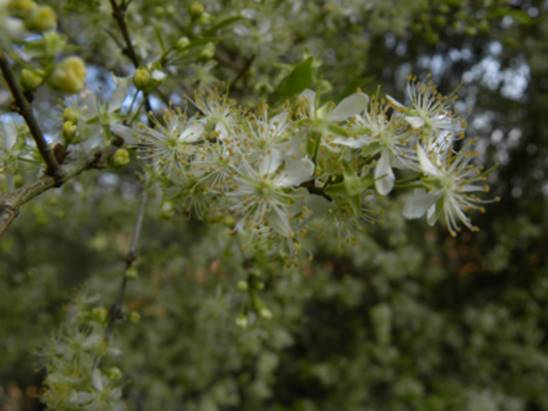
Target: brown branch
119 15
115 311
25 109
313 189
11 202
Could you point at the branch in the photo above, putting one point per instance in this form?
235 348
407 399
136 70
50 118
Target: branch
119 14
115 311
24 108
313 189
12 201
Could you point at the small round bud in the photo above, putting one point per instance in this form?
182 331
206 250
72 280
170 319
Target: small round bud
69 75
100 314
69 131
242 321
182 43
166 210
18 180
243 285
22 6
69 114
265 313
114 373
208 51
259 285
41 18
120 158
135 317
204 19
196 9
141 78
31 79
132 273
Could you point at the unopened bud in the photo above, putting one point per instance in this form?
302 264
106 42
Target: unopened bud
22 6
208 51
182 43
69 75
135 317
243 285
166 210
69 114
204 19
69 131
196 9
120 158
132 273
141 78
242 321
41 18
31 79
114 373
99 314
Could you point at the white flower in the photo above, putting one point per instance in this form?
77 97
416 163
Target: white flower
216 115
451 187
347 107
264 194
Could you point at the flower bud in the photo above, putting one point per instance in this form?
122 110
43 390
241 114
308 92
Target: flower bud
182 43
69 131
22 6
166 210
120 158
141 78
243 285
196 9
18 180
114 373
135 317
100 314
71 115
132 273
31 79
204 19
242 321
265 313
69 75
208 51
41 18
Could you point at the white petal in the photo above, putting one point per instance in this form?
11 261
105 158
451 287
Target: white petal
310 96
127 133
418 203
415 121
349 106
395 102
352 142
192 133
271 163
279 221
10 135
427 166
384 176
431 215
158 75
295 172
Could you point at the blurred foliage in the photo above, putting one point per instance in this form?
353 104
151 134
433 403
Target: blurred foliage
404 318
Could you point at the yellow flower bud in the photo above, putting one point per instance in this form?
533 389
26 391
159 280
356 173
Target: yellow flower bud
71 115
141 78
69 131
41 18
196 9
120 158
100 314
135 317
132 272
31 79
243 285
208 51
182 43
21 5
205 18
114 373
69 75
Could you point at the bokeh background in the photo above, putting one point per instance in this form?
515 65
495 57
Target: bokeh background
406 318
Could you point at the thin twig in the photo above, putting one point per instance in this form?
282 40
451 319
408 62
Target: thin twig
25 109
115 311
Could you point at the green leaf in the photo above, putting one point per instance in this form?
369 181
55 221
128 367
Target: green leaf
300 78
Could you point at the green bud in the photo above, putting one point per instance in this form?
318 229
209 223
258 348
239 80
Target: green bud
265 313
69 131
208 51
22 6
71 115
31 79
242 321
120 158
204 19
135 317
182 43
196 9
141 78
132 273
41 18
18 180
166 210
69 75
99 314
114 373
243 285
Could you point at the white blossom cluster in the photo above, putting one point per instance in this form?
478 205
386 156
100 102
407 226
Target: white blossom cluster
273 171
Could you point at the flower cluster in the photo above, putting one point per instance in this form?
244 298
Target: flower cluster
272 171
